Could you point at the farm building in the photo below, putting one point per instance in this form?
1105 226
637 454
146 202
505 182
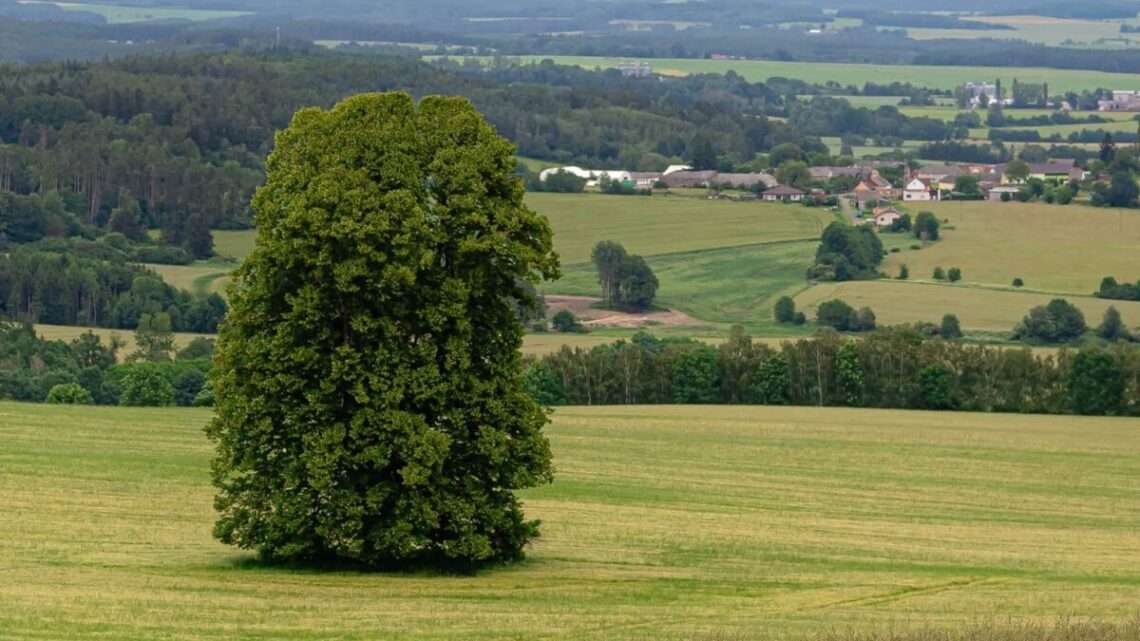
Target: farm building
886 216
689 178
995 193
745 181
918 190
783 192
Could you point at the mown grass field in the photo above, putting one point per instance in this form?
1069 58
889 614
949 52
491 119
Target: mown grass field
119 14
667 224
978 309
71 332
694 523
1051 247
943 77
1039 29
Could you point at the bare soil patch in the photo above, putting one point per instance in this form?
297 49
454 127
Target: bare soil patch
583 308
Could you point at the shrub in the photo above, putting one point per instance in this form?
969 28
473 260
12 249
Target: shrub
1112 326
904 272
800 319
939 274
926 226
841 316
144 385
198 348
950 327
954 275
785 310
1018 282
1059 321
69 394
187 386
566 321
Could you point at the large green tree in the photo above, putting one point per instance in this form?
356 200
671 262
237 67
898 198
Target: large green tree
369 389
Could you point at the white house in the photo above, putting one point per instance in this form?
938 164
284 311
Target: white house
916 189
886 217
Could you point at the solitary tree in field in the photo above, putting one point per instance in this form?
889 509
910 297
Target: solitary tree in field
369 390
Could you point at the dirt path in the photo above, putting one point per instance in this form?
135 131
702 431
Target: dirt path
583 308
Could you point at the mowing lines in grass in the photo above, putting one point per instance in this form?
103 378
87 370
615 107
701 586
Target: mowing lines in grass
662 523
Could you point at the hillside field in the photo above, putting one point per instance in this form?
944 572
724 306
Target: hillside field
695 523
938 76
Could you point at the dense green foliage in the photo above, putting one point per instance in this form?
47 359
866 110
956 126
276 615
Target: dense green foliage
1109 288
890 368
85 370
1058 322
840 316
83 284
628 283
373 345
847 253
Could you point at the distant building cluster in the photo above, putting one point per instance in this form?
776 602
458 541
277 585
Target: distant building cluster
979 93
635 69
1122 100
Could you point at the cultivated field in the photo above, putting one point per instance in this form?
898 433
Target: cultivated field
668 224
1039 29
1053 248
118 14
978 309
695 523
944 77
127 337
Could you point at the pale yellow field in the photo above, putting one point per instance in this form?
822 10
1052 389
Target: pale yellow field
896 302
69 333
1054 248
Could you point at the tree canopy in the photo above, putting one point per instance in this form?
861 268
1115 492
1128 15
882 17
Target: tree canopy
370 406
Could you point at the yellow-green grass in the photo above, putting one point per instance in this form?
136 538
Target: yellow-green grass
1038 29
118 14
1051 247
943 77
127 337
200 277
896 302
661 224
726 286
694 523
235 244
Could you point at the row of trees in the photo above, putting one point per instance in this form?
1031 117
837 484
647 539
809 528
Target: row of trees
75 289
87 371
892 368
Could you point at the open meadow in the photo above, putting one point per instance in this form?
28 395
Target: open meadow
695 523
1054 248
129 13
939 76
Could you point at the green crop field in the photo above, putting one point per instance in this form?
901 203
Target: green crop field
667 224
943 77
118 14
695 523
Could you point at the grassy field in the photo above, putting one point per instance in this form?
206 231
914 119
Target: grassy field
69 333
733 285
1053 248
944 77
200 277
1039 29
978 309
668 224
119 14
694 523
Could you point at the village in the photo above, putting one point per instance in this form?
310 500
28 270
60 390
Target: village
869 191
